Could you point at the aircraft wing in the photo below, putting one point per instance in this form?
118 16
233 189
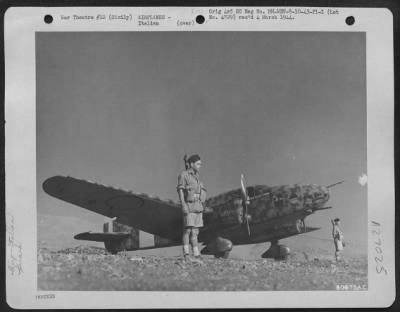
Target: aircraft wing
152 215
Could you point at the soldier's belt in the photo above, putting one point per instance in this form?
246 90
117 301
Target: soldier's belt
193 201
194 198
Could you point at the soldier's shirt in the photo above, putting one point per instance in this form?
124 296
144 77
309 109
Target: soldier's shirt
337 238
193 189
337 233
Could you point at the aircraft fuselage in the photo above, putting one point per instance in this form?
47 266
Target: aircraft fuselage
271 209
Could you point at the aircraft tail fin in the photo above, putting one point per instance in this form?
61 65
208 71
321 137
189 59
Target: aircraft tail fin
116 237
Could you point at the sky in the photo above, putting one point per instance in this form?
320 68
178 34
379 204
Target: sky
122 109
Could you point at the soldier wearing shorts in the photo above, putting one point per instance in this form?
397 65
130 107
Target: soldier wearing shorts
337 238
192 195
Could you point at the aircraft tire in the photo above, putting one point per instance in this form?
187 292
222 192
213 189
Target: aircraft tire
224 254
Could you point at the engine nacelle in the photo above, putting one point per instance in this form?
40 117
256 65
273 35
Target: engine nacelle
217 246
279 252
300 226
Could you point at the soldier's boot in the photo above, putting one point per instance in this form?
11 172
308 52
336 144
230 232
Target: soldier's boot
196 255
197 260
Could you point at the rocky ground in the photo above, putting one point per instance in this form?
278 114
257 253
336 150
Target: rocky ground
92 268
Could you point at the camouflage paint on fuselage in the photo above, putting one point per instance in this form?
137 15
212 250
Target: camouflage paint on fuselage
268 203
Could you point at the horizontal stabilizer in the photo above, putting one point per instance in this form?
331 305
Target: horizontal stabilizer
102 237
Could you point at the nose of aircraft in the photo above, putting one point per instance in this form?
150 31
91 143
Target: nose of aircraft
326 193
321 194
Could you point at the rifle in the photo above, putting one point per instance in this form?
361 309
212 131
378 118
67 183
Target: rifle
186 162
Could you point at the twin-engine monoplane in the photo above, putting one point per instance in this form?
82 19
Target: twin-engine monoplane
246 215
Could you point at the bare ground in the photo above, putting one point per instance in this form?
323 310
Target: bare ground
92 268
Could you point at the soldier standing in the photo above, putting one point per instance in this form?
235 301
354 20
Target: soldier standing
337 238
192 195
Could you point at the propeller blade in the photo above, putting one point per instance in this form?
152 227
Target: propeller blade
245 198
245 202
244 191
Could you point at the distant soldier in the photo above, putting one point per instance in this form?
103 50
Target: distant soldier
192 195
337 238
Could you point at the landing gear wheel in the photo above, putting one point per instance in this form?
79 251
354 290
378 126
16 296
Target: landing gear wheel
224 254
276 251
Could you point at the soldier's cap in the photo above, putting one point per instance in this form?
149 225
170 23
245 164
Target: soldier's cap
193 158
336 220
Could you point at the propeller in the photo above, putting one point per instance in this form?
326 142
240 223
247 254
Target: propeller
245 203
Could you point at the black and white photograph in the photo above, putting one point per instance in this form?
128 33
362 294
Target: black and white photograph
201 161
288 111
